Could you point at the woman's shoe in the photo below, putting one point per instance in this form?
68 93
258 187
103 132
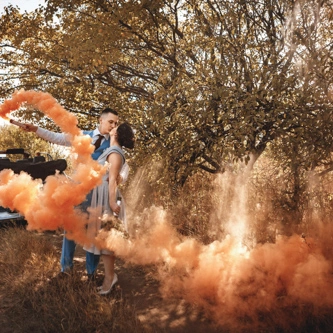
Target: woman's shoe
105 292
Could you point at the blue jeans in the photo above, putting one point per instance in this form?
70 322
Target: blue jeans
68 249
67 257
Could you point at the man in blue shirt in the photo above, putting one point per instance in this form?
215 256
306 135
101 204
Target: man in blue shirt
107 121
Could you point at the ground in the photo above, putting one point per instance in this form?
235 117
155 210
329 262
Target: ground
138 285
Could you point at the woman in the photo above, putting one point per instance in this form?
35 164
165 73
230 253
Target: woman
104 198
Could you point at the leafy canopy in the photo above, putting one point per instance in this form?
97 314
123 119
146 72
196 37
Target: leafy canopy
204 82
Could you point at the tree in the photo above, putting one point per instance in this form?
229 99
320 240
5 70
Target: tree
203 81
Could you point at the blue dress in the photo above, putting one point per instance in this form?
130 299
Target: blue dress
100 202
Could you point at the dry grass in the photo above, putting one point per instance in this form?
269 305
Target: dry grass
34 299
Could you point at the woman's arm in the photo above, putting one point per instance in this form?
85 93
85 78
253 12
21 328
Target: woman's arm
115 161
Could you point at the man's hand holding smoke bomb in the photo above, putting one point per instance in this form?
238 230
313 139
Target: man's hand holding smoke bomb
25 127
17 123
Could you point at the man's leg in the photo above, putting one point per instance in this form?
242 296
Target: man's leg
67 254
92 261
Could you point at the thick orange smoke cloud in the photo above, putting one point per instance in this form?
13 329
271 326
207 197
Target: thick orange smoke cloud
51 205
239 288
242 288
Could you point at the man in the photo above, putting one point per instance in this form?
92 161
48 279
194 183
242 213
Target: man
107 121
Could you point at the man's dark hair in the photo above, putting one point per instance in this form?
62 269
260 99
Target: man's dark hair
109 110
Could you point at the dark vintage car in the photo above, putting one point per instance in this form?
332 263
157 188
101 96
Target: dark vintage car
39 166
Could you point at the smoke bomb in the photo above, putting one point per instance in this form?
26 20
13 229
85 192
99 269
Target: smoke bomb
17 123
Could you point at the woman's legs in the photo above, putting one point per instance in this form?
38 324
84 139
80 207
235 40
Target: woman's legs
108 261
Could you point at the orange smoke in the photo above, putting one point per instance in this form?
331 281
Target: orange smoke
263 287
51 205
45 103
241 289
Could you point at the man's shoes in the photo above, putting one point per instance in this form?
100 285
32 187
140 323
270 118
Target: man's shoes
64 275
91 277
106 292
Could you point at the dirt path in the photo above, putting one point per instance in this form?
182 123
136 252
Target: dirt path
138 285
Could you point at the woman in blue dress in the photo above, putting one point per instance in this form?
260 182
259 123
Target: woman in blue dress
104 198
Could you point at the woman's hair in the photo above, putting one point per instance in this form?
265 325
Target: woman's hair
125 135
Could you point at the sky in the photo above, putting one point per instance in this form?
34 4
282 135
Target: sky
24 5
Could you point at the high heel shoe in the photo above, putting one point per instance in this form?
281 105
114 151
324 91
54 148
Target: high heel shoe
106 292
